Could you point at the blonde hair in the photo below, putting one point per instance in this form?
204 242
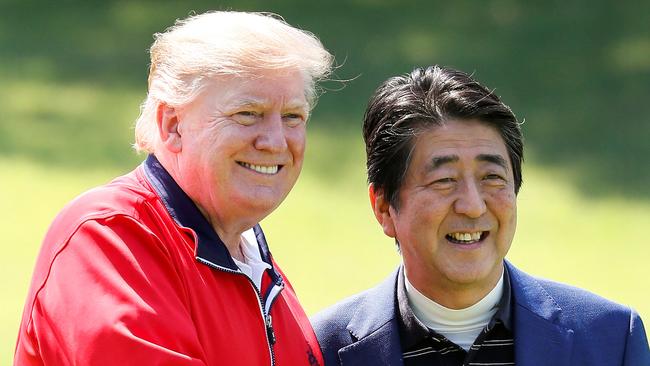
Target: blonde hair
224 43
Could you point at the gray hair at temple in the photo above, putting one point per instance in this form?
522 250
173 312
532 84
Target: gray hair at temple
207 46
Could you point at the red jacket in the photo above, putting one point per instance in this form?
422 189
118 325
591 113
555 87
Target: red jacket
132 273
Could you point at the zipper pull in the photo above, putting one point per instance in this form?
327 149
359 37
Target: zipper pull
269 329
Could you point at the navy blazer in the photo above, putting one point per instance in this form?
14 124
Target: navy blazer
554 324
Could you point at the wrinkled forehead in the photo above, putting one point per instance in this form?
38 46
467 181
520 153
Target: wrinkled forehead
470 130
459 138
259 75
266 88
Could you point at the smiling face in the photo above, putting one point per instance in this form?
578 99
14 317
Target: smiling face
240 147
457 211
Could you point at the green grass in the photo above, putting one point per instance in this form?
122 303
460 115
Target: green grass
327 242
30 197
72 76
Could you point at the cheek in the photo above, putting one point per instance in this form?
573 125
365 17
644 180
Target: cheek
422 217
513 218
504 206
433 208
510 206
505 199
296 140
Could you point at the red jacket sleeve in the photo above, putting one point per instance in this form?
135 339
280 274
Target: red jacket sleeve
109 296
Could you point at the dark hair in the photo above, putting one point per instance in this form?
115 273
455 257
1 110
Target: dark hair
405 105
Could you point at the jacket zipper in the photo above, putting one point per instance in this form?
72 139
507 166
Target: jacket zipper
268 322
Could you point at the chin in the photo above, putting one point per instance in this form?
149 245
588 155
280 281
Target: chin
467 275
261 206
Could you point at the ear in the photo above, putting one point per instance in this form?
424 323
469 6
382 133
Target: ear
381 209
168 127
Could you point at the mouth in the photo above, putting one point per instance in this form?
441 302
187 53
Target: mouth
263 169
467 238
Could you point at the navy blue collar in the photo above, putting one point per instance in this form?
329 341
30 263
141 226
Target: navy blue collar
209 248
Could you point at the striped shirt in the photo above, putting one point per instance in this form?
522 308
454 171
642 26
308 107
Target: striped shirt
422 346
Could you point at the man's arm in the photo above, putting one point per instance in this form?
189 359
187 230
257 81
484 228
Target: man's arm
637 352
111 296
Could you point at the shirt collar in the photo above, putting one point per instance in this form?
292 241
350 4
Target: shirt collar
412 331
209 247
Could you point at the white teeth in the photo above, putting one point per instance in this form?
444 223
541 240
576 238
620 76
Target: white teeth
264 169
466 237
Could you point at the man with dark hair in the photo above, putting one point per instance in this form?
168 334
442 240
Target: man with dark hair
444 165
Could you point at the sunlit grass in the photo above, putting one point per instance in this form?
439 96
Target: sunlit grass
330 245
30 197
65 139
71 124
326 239
73 75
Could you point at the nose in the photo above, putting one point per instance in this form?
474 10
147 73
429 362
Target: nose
470 201
271 136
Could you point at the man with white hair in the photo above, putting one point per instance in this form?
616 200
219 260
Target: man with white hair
167 265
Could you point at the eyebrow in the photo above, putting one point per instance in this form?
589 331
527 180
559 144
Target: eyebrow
438 161
493 158
254 102
247 103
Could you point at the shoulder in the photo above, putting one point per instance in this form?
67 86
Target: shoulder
613 331
580 309
331 323
569 296
355 317
100 223
331 327
583 308
124 195
603 332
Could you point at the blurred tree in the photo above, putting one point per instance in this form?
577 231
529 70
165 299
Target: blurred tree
577 72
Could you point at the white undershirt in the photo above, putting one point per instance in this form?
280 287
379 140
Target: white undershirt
253 265
459 326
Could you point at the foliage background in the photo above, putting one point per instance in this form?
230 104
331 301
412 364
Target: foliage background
72 75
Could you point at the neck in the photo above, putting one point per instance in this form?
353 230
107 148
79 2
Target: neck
228 229
461 326
231 239
453 295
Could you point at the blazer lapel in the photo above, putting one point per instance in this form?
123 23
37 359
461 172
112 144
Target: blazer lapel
375 327
540 339
379 348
